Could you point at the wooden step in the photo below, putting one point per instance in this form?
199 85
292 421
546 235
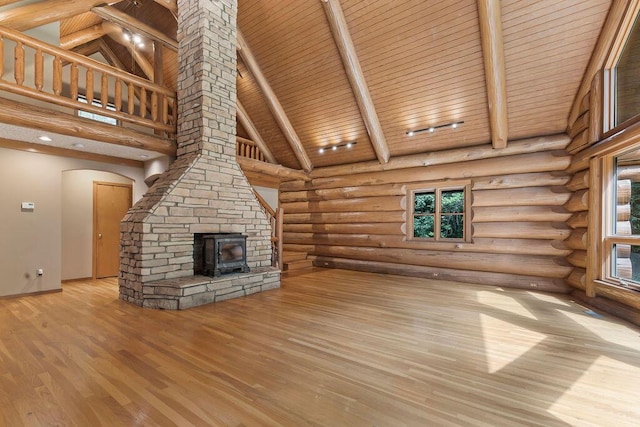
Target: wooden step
289 256
296 261
298 265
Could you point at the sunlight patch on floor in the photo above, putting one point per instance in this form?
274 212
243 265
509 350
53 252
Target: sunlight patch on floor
599 392
514 342
549 298
504 302
603 329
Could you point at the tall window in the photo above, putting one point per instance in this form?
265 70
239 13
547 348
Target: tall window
622 240
94 116
438 213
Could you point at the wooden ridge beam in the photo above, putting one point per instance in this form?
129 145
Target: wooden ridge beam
255 136
134 25
19 114
271 169
351 63
45 12
115 32
490 18
81 37
274 104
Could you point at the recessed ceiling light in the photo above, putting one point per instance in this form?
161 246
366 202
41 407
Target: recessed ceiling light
144 156
45 138
321 150
78 145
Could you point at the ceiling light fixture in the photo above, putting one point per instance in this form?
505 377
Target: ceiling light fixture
337 146
45 138
144 156
432 129
78 145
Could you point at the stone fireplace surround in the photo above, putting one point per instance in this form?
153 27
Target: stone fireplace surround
204 190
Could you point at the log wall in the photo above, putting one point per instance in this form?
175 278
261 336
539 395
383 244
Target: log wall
519 218
586 146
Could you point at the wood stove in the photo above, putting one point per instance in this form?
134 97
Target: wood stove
221 253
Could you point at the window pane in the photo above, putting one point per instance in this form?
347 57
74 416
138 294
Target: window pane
425 202
452 226
452 201
627 90
626 265
423 226
626 206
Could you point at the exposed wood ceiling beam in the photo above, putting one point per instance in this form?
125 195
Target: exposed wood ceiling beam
616 15
115 32
35 14
65 152
134 25
343 40
274 105
111 56
494 69
89 48
271 169
248 125
78 38
6 2
18 114
172 5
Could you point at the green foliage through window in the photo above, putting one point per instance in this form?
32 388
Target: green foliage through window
445 205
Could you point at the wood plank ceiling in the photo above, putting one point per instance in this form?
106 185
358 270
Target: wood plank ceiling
421 62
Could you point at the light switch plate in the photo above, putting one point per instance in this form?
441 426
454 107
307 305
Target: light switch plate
28 205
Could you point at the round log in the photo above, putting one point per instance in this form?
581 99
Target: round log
577 239
578 202
577 278
543 179
519 213
373 228
343 217
541 266
629 172
579 220
344 193
578 259
623 212
532 196
580 181
364 204
623 251
623 192
522 230
475 277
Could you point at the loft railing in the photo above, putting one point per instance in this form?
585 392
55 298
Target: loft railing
276 219
46 73
249 149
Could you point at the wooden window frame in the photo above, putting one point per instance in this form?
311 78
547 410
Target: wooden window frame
438 188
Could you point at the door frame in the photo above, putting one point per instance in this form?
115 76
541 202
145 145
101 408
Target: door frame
94 256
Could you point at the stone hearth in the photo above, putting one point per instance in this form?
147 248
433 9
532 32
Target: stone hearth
204 190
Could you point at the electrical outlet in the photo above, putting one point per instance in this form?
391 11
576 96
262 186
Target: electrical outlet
40 272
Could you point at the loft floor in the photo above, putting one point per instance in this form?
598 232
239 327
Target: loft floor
329 347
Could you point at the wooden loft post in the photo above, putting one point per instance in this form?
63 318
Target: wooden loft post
351 63
274 104
494 69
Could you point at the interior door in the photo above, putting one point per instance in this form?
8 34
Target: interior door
110 204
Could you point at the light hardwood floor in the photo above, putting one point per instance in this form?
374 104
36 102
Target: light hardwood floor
331 347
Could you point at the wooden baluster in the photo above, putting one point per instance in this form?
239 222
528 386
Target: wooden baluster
154 106
57 75
143 102
118 95
89 91
38 78
1 56
132 98
18 63
74 81
165 110
104 91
